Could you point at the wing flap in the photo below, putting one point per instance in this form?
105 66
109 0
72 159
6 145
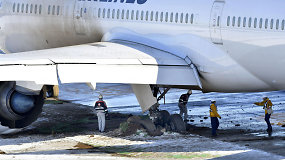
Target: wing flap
40 74
103 62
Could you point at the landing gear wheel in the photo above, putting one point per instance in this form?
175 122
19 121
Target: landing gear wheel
150 127
165 118
177 124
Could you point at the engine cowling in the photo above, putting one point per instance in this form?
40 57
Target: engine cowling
18 110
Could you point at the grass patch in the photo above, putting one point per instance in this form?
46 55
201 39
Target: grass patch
164 155
139 153
63 127
53 101
189 156
124 127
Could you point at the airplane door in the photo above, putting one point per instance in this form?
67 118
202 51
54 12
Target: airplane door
79 15
215 22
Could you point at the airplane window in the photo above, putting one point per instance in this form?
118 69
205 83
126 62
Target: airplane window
239 21
137 15
176 17
113 13
186 18
31 9
132 15
142 14
14 7
104 13
260 23
228 21
192 18
255 22
146 16
22 9
244 22
127 14
40 9
234 21
53 9
108 13
171 17
123 14
181 18
99 12
27 8
283 24
118 14
49 9
166 17
277 24
218 21
249 22
18 7
151 16
266 23
161 16
36 9
156 16
271 24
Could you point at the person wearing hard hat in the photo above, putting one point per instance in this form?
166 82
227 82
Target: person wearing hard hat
183 100
267 106
101 109
214 117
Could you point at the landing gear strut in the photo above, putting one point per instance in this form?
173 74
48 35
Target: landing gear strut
163 118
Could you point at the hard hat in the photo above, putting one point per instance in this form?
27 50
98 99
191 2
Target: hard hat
213 101
189 92
100 96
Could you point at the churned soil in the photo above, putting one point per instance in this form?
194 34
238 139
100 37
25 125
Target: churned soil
70 131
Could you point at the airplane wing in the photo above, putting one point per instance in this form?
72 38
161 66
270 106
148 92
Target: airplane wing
102 62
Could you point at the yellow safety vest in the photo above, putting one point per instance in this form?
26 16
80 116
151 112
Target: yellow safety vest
213 111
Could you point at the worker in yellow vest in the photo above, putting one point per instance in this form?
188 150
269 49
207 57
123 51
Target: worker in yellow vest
214 117
267 106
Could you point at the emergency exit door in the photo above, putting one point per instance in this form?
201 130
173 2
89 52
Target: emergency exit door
79 16
215 22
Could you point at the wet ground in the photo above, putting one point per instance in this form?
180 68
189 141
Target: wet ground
62 126
237 109
69 131
242 122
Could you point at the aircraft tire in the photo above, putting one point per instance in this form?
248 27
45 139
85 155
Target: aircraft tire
150 127
165 118
177 124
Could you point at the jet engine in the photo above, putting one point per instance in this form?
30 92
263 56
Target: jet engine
18 109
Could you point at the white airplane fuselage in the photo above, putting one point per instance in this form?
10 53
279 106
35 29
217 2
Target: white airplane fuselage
237 45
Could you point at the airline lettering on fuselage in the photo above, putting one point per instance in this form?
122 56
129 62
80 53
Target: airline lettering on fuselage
125 1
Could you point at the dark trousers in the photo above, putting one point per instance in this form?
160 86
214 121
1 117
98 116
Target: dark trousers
269 127
215 124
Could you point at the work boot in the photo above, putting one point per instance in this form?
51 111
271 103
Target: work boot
214 135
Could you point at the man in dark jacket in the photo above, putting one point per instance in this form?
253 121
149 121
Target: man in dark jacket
183 100
101 109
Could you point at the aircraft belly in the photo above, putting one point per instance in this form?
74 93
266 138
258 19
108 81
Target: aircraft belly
262 55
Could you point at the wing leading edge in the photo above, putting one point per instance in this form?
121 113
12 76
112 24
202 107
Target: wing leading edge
102 62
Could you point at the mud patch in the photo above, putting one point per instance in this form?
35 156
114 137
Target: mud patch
83 146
